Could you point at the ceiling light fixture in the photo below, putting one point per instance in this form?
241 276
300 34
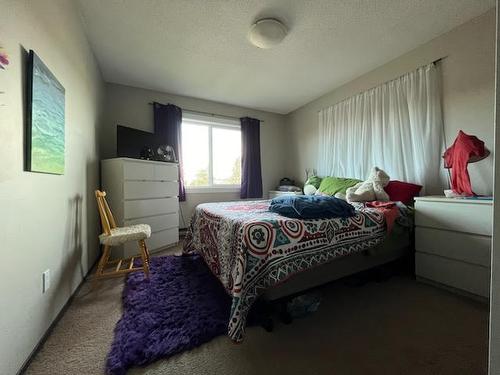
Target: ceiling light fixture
267 32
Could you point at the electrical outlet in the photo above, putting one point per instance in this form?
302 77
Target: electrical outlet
45 281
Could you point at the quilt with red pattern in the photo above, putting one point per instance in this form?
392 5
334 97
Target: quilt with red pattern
250 249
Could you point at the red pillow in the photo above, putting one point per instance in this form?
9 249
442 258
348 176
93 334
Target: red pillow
402 191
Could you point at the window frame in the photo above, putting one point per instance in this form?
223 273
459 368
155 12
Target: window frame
212 121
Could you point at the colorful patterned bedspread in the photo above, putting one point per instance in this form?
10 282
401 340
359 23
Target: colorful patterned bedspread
250 249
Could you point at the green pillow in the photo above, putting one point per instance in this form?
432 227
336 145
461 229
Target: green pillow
334 185
314 181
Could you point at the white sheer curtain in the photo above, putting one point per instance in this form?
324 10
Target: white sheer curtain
396 126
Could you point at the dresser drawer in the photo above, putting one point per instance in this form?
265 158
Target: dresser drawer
470 248
150 207
157 223
138 171
157 241
469 277
460 217
166 172
150 189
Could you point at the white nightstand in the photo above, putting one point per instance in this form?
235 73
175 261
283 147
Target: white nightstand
277 193
453 243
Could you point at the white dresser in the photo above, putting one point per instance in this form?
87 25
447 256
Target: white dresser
143 192
453 243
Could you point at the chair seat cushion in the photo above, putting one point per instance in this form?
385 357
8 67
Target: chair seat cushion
121 235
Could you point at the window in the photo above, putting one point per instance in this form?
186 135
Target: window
211 152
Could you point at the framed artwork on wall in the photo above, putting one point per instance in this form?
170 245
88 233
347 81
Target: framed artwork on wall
45 119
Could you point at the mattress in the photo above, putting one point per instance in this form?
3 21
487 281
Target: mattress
250 249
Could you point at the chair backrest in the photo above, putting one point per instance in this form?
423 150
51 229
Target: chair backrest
107 219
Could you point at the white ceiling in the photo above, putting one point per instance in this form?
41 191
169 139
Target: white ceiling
199 48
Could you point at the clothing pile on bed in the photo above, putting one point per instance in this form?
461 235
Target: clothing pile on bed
311 207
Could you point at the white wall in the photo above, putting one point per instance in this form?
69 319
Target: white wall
468 94
494 348
46 221
128 106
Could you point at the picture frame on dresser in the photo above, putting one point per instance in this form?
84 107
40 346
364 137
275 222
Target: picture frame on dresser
144 192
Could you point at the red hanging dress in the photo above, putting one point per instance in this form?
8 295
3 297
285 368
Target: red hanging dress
466 149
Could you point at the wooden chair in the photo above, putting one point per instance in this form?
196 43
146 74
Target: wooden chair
116 236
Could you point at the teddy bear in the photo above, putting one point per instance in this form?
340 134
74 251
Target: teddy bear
370 190
312 185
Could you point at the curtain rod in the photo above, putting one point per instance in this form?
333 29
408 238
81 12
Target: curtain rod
208 113
351 96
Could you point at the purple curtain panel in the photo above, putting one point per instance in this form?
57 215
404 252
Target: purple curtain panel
251 174
168 127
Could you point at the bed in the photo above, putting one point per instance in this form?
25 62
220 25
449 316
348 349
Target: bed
253 251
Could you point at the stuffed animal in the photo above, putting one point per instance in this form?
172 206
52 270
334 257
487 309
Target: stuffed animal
312 185
310 189
370 190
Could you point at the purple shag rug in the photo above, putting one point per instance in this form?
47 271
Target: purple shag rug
180 307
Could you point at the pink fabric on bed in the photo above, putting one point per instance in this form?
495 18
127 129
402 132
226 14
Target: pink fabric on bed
390 211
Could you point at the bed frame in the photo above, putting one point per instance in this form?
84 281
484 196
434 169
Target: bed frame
397 246
394 247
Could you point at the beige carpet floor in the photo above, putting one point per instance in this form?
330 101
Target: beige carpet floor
398 327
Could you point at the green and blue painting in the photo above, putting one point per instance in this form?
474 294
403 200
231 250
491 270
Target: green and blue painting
46 130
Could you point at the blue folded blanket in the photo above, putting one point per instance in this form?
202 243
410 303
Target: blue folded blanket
311 207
